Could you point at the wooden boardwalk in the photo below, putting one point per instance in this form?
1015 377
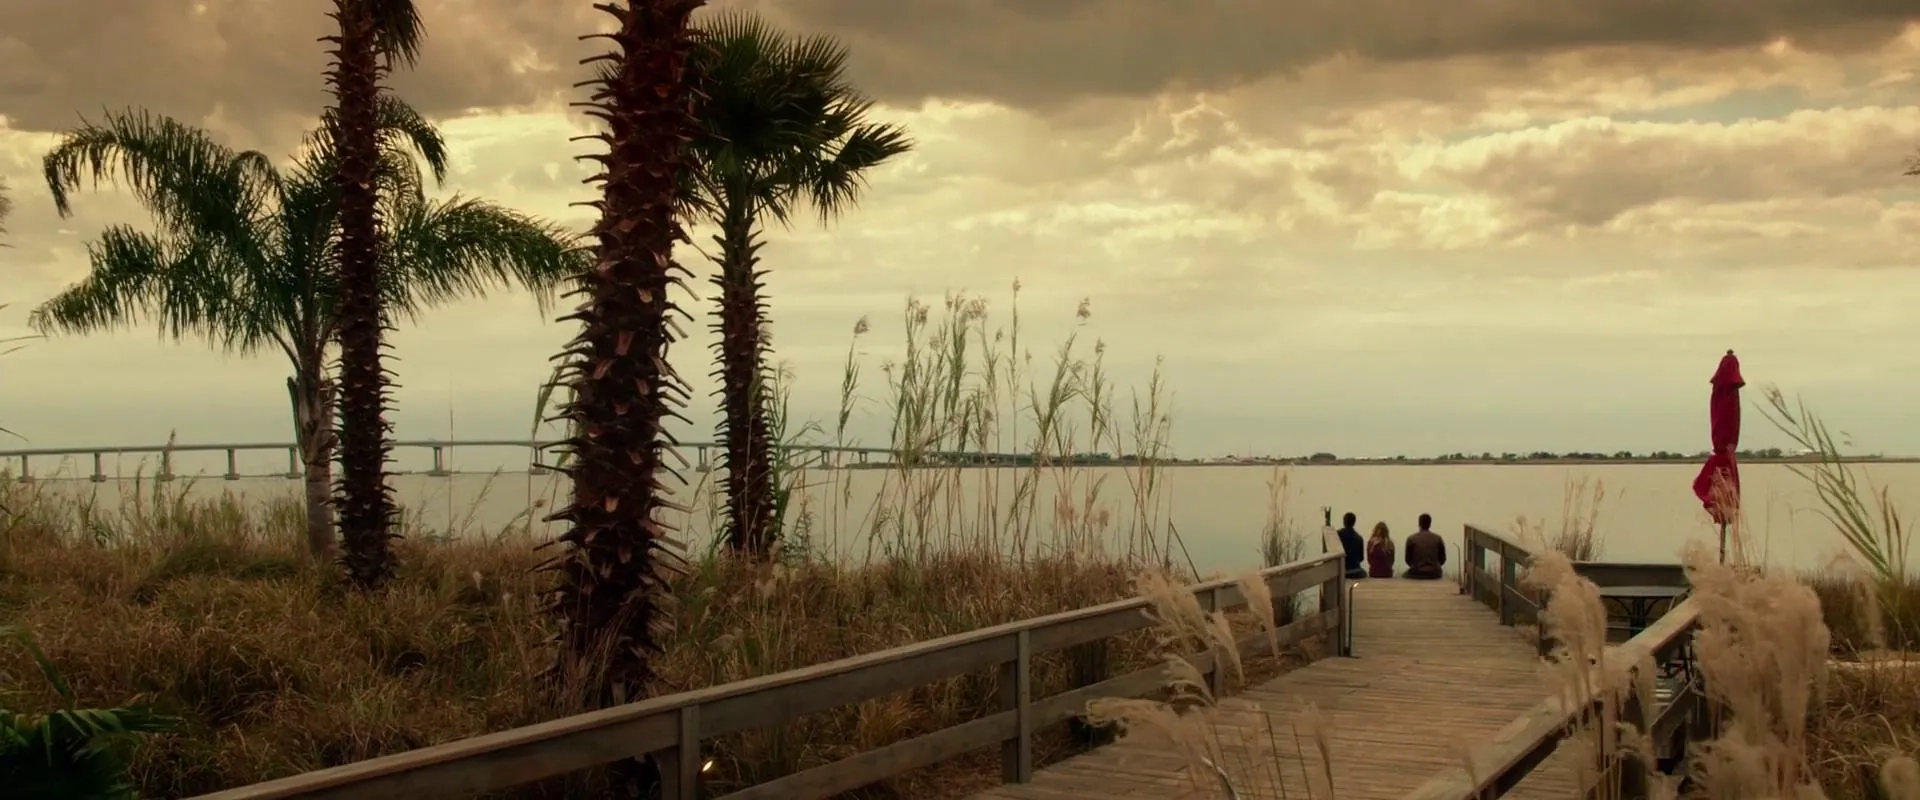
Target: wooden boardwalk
1433 675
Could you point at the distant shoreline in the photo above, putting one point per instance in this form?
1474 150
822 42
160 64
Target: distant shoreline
1532 462
1422 462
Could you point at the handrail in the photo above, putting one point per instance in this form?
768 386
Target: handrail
1494 769
1505 595
671 727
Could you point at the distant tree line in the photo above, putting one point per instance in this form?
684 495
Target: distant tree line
1537 455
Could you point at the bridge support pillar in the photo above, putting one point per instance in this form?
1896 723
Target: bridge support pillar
233 470
99 473
293 463
439 463
25 476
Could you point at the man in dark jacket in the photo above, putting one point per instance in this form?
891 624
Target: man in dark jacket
1354 546
1426 552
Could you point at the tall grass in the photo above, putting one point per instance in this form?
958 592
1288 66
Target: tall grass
1877 538
960 384
1578 534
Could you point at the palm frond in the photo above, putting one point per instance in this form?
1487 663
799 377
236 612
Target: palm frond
397 30
836 181
783 124
242 251
403 131
189 285
70 751
177 172
462 247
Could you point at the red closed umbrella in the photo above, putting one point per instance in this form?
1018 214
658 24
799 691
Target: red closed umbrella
1718 484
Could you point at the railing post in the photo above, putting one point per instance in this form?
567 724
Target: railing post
293 462
1509 579
99 473
1624 770
1086 665
1284 608
1476 559
1016 695
233 471
680 775
1216 672
1331 599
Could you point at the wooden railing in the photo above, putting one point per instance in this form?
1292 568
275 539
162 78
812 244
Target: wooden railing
1501 593
1495 769
1518 604
671 728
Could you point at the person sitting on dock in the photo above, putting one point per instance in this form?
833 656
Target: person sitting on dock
1351 543
1380 552
1426 552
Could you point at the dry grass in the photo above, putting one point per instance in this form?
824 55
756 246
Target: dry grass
214 616
1578 536
206 608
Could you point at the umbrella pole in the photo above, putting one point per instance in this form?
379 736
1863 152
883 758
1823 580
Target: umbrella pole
1723 543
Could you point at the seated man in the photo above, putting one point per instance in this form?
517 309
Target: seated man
1426 552
1354 547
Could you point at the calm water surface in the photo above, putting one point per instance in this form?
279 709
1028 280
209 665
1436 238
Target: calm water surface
1648 511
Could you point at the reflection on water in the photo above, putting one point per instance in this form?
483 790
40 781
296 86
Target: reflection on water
1218 511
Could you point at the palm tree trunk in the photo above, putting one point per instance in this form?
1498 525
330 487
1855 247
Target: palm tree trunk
312 396
366 504
744 432
610 595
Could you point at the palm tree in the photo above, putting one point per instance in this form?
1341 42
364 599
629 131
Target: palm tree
374 35
782 128
242 256
611 580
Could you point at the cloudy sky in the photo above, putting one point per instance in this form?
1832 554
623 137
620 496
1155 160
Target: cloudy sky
1369 226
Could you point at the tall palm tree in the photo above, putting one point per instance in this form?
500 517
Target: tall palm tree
782 128
374 36
611 570
243 251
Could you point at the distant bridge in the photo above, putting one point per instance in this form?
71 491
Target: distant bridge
440 447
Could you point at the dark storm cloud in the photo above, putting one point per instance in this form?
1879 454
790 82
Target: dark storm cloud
1045 52
257 64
